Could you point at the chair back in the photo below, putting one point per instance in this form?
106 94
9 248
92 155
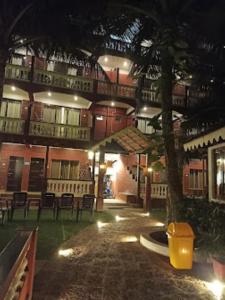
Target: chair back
67 199
88 201
19 199
48 200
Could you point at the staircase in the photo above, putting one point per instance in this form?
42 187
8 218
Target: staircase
115 204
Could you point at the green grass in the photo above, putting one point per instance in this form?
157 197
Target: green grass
51 234
159 214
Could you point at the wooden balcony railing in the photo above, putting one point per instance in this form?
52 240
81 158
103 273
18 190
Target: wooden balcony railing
11 125
59 131
76 187
117 90
17 72
63 81
17 265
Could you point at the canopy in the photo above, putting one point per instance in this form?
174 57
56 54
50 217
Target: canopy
206 140
130 139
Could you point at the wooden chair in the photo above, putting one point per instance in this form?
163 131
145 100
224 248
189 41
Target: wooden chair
47 202
19 201
87 203
66 202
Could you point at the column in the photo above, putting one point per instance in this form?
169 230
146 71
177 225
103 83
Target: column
138 178
147 203
45 182
101 174
93 175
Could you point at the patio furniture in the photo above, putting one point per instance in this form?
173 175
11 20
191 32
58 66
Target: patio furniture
47 202
4 210
66 202
87 203
19 201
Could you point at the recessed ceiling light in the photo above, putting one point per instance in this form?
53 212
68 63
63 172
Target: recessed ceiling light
144 108
125 63
106 59
112 104
75 98
13 88
211 80
190 76
49 94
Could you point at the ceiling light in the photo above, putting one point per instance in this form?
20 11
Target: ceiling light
13 88
49 94
75 98
106 59
112 104
144 108
125 63
211 80
190 76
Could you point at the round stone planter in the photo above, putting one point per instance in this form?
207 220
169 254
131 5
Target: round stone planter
149 242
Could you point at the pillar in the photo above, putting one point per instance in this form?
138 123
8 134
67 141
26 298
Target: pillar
101 174
138 178
147 202
93 175
45 183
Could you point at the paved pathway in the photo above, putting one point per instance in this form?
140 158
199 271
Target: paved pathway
107 264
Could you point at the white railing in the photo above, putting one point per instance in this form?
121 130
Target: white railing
112 89
59 131
76 187
159 190
64 81
11 125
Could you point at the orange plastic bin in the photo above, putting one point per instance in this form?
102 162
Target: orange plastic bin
180 238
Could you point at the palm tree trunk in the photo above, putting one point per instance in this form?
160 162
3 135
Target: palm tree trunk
3 61
173 174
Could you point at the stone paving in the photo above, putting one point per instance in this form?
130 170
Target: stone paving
108 264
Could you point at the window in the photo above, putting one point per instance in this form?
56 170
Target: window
10 109
196 179
143 126
61 115
65 169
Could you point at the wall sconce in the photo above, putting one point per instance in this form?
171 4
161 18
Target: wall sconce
103 166
150 170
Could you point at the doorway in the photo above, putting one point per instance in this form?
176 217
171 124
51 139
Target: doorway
36 176
14 177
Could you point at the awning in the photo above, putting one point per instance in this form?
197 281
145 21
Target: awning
131 139
206 140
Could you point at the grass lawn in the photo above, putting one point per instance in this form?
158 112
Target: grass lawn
51 234
159 214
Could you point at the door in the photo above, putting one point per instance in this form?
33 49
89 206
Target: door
36 176
15 170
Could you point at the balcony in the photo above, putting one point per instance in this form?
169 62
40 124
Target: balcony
59 131
12 126
86 85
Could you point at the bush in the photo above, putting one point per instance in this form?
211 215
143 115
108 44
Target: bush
208 222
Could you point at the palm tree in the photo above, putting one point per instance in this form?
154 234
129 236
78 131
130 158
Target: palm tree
163 35
59 27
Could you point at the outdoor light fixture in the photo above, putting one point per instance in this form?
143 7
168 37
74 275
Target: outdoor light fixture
106 59
150 170
103 166
211 80
49 94
129 239
101 225
145 214
190 76
66 252
216 287
75 98
13 88
90 155
144 108
112 104
125 64
159 224
118 218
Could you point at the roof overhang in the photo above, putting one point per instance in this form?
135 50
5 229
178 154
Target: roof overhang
131 139
206 140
